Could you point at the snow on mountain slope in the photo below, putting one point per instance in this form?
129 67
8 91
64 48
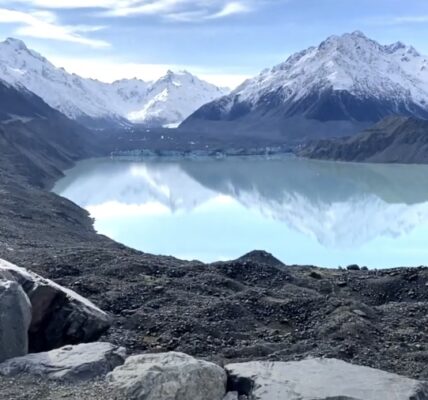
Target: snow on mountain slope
345 78
166 101
73 96
352 63
174 97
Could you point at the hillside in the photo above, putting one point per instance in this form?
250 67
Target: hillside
37 141
393 140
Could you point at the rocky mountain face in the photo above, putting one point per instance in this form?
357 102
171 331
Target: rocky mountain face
38 141
393 140
166 101
346 83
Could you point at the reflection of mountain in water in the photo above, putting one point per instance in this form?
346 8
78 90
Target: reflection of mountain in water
95 182
338 204
318 181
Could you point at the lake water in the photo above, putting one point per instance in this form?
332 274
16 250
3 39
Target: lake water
304 212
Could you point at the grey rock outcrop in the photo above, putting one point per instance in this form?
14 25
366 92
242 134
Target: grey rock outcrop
59 315
15 319
69 363
321 379
168 376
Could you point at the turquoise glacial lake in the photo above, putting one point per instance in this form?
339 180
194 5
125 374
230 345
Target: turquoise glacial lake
304 212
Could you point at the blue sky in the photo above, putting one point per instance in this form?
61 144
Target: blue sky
223 41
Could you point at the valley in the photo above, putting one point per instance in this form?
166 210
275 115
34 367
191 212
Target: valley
322 104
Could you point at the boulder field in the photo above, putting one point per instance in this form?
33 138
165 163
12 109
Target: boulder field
32 306
177 376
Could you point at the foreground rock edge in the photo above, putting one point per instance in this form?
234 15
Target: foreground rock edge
59 316
164 376
321 379
77 363
168 376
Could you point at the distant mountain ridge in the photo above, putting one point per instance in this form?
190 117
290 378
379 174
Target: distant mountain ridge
338 88
166 101
393 140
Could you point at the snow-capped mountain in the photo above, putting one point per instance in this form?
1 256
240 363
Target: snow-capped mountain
350 79
172 98
166 101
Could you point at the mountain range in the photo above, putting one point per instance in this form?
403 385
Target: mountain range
167 101
345 84
340 88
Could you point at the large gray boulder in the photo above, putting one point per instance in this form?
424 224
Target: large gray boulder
321 379
15 319
70 363
168 376
59 316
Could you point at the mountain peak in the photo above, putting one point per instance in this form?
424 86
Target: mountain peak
171 73
358 34
18 46
346 41
349 78
15 43
394 47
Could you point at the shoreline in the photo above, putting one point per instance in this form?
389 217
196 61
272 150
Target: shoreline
252 308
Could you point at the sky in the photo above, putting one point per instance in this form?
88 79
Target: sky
222 41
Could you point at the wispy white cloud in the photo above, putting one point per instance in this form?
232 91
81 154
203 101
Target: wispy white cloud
204 14
184 10
397 20
74 4
412 19
148 7
177 10
44 25
232 8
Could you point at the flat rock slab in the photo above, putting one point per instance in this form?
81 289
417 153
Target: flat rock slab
15 319
70 363
168 376
59 316
321 379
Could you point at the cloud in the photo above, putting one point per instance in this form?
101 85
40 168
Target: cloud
231 9
401 20
149 7
200 15
187 10
74 4
411 19
44 25
175 10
